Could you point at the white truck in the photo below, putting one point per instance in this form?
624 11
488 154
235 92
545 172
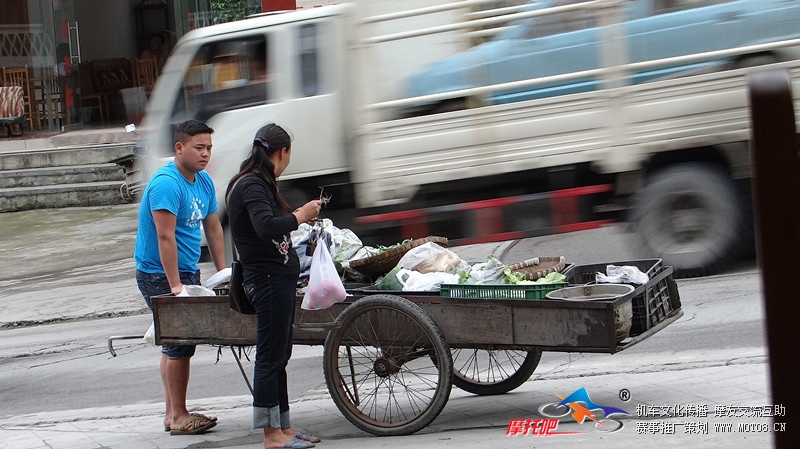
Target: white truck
662 143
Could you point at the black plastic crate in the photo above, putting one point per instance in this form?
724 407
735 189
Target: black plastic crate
659 299
584 274
651 303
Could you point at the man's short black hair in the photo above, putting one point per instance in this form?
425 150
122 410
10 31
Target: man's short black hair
189 128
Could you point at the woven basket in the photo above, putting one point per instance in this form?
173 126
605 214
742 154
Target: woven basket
382 263
538 267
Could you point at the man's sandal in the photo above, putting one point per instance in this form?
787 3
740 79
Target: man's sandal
193 426
207 418
167 428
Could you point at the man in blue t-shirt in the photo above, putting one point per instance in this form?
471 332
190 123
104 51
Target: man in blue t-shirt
178 198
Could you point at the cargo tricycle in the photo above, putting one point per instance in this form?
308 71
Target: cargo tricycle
390 359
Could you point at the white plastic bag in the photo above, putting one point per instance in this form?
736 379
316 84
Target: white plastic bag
150 335
426 282
622 275
196 290
221 276
325 288
430 258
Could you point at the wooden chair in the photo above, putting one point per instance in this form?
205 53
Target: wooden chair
145 72
90 98
19 76
51 100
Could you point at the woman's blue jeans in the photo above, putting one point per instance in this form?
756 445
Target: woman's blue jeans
273 297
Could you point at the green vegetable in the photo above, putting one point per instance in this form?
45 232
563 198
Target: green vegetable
513 278
390 282
383 249
552 278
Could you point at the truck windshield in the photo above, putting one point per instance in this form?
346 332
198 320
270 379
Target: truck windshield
224 75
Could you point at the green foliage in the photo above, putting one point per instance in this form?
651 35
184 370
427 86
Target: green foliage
230 10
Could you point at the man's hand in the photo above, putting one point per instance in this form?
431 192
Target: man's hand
177 289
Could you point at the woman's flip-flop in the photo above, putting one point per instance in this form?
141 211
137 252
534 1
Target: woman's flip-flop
307 437
297 443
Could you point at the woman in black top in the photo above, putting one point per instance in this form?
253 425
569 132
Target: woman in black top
261 223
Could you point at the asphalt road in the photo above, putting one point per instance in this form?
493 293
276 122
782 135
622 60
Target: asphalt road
75 256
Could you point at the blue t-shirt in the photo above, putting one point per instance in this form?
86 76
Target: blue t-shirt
190 202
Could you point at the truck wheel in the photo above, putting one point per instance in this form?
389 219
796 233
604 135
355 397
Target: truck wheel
690 216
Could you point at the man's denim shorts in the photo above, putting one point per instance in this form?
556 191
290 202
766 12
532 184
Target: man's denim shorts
155 284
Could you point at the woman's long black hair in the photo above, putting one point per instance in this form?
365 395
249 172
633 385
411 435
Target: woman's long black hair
269 139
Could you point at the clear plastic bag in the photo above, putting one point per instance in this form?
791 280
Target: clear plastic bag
325 288
490 272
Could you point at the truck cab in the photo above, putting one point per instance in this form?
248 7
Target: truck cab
239 76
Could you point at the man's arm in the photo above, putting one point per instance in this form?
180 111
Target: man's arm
215 239
165 223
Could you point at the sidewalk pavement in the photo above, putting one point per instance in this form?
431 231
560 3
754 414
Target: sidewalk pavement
77 138
467 421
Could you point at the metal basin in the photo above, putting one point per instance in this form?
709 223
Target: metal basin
592 292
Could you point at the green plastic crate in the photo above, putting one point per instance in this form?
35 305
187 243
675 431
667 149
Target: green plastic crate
499 291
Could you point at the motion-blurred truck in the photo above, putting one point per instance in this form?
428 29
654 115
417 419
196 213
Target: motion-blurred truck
485 120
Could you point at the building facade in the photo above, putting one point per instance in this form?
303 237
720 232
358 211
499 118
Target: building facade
81 55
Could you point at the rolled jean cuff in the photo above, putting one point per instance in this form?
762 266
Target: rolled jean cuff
285 423
266 417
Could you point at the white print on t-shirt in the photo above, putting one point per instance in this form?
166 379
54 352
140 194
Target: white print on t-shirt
197 215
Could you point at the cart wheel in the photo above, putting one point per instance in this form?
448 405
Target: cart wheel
387 366
485 372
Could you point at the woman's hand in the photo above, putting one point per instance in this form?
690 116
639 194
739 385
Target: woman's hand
308 212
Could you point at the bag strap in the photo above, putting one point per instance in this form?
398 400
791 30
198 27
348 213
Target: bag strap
233 249
227 206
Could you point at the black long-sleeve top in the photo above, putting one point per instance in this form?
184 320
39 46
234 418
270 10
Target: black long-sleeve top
261 229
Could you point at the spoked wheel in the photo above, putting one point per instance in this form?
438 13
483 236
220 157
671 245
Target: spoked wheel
387 366
486 372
